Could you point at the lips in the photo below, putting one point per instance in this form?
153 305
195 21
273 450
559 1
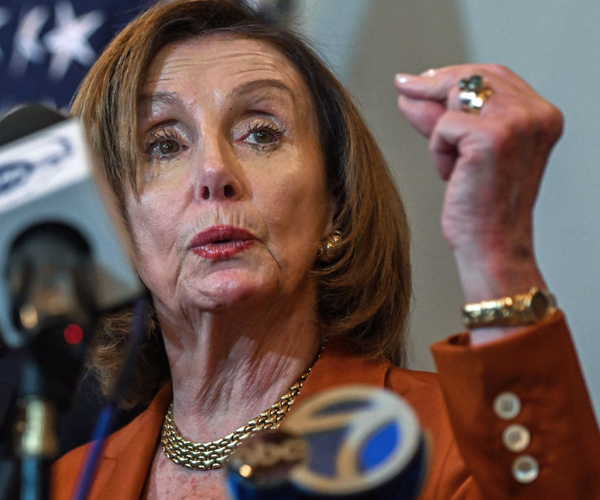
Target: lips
220 242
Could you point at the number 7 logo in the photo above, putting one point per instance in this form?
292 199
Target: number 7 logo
360 439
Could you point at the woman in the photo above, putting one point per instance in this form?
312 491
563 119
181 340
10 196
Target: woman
265 222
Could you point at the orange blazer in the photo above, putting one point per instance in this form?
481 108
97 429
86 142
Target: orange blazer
464 408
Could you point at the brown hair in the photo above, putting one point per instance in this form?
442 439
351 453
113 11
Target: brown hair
365 294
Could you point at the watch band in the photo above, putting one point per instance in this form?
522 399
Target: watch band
519 310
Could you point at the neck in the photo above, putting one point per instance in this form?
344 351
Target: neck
228 368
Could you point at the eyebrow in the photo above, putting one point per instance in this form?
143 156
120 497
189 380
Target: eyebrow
265 83
173 99
159 98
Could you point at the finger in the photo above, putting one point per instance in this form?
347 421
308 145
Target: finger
436 84
457 136
421 114
423 86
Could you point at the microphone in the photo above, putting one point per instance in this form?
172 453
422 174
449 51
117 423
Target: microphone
354 442
48 184
64 257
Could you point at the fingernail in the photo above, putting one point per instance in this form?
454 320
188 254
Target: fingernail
403 78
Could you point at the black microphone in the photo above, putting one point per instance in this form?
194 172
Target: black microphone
354 442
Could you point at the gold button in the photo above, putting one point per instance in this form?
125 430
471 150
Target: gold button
516 438
507 405
525 469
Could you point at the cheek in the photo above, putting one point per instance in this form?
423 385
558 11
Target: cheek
154 228
294 207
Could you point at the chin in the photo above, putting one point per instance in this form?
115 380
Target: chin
234 289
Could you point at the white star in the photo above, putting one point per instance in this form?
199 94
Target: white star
27 46
4 18
68 41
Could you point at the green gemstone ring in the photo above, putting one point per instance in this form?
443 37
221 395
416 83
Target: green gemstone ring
473 94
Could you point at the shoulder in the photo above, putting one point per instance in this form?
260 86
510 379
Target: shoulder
423 392
412 384
136 440
340 365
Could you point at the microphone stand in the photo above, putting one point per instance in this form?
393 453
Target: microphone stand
50 278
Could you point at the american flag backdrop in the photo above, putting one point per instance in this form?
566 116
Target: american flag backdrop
47 46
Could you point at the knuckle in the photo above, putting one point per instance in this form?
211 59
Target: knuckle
500 70
555 121
543 122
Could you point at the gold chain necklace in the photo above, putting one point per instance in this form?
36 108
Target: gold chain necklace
214 455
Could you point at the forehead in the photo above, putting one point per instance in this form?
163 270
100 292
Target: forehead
219 64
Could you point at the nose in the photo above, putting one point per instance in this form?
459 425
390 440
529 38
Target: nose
219 174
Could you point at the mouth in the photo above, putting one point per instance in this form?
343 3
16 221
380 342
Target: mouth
220 242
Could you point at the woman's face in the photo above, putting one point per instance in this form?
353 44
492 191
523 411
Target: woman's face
233 200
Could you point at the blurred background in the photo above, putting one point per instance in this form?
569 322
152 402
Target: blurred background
46 46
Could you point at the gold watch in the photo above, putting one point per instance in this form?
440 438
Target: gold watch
521 309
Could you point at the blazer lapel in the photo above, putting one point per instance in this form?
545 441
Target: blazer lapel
128 455
340 364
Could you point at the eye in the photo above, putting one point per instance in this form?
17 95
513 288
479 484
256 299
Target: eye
263 134
261 137
164 144
166 147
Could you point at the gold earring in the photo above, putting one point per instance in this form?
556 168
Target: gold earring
329 251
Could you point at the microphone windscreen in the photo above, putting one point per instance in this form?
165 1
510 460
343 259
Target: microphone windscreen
25 120
49 179
354 442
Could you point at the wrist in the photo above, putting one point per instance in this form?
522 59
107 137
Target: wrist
487 274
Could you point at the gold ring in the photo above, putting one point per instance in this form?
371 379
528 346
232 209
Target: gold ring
473 94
